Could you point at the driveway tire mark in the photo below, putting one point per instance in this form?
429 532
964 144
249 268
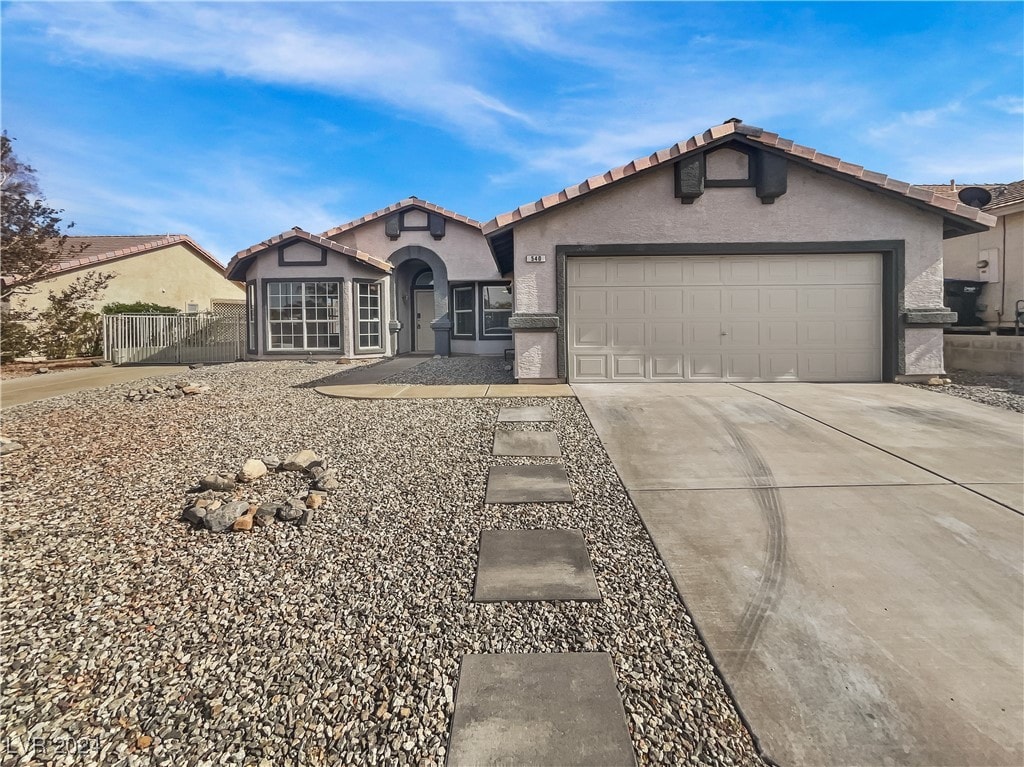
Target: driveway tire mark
772 579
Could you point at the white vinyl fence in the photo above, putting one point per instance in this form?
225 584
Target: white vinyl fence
169 339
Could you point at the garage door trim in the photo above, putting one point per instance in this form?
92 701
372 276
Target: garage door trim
892 252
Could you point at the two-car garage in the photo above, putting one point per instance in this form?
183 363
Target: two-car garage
803 317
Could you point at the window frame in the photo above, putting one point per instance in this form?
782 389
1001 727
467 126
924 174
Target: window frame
305 321
356 319
482 333
471 288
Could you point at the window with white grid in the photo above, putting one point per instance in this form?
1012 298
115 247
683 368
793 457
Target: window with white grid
303 315
368 317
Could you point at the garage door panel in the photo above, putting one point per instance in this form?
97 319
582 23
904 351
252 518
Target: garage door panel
706 367
666 334
590 367
628 366
629 334
593 334
626 302
702 302
667 366
589 302
665 302
731 318
589 271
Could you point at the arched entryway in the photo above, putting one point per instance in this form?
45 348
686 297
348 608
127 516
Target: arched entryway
420 323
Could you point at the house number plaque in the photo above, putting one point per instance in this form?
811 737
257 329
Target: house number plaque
536 259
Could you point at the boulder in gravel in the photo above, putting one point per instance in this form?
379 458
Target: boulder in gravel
266 513
194 515
9 446
304 519
222 519
292 510
272 462
304 460
252 470
314 501
196 389
42 370
245 521
222 483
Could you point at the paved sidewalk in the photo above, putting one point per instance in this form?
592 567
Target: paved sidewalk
18 391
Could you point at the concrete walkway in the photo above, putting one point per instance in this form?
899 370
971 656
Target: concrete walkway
18 391
852 555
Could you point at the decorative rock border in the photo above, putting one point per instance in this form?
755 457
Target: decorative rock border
215 504
179 390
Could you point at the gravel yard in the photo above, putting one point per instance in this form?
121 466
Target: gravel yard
455 370
1002 391
337 643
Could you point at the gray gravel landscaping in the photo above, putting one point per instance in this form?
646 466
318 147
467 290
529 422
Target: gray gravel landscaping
442 371
333 643
1001 391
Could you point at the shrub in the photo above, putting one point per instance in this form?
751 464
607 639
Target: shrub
139 307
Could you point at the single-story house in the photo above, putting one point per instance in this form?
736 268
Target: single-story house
166 269
411 277
994 257
736 255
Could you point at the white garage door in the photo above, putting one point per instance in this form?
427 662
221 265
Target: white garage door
725 318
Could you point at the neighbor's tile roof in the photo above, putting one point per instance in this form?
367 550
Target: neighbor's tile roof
234 270
719 134
101 248
408 202
1002 194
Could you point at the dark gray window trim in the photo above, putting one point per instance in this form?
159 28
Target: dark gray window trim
750 180
893 270
322 261
471 287
265 315
480 312
252 309
356 348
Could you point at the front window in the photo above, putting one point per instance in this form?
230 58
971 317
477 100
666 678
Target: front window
303 315
496 310
464 311
368 316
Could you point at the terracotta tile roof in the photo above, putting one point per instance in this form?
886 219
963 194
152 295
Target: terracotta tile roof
1002 194
408 202
101 248
235 270
733 130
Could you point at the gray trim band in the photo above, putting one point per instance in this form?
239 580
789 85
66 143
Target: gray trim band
938 316
520 322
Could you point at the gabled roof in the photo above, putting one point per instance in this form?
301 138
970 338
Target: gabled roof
957 215
1002 194
408 202
235 270
101 248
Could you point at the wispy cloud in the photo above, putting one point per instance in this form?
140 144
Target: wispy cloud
1011 105
334 51
921 118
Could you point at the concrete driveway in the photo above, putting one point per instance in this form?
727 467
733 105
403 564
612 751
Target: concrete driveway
852 555
18 391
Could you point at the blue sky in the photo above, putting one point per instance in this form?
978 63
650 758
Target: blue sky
233 122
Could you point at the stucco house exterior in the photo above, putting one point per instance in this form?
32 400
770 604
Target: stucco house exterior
167 269
994 257
411 277
736 255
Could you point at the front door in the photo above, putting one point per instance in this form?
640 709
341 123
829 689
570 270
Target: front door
424 311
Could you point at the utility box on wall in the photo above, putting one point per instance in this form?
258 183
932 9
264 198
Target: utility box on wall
988 265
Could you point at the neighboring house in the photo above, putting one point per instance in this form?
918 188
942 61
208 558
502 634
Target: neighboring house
167 269
412 277
736 255
994 257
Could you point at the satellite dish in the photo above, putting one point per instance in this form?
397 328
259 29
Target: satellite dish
975 196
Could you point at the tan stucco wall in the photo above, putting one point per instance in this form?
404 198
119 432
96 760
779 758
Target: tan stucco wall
463 249
815 208
170 276
960 256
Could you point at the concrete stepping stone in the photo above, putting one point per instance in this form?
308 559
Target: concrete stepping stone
534 444
525 414
534 566
539 709
528 484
